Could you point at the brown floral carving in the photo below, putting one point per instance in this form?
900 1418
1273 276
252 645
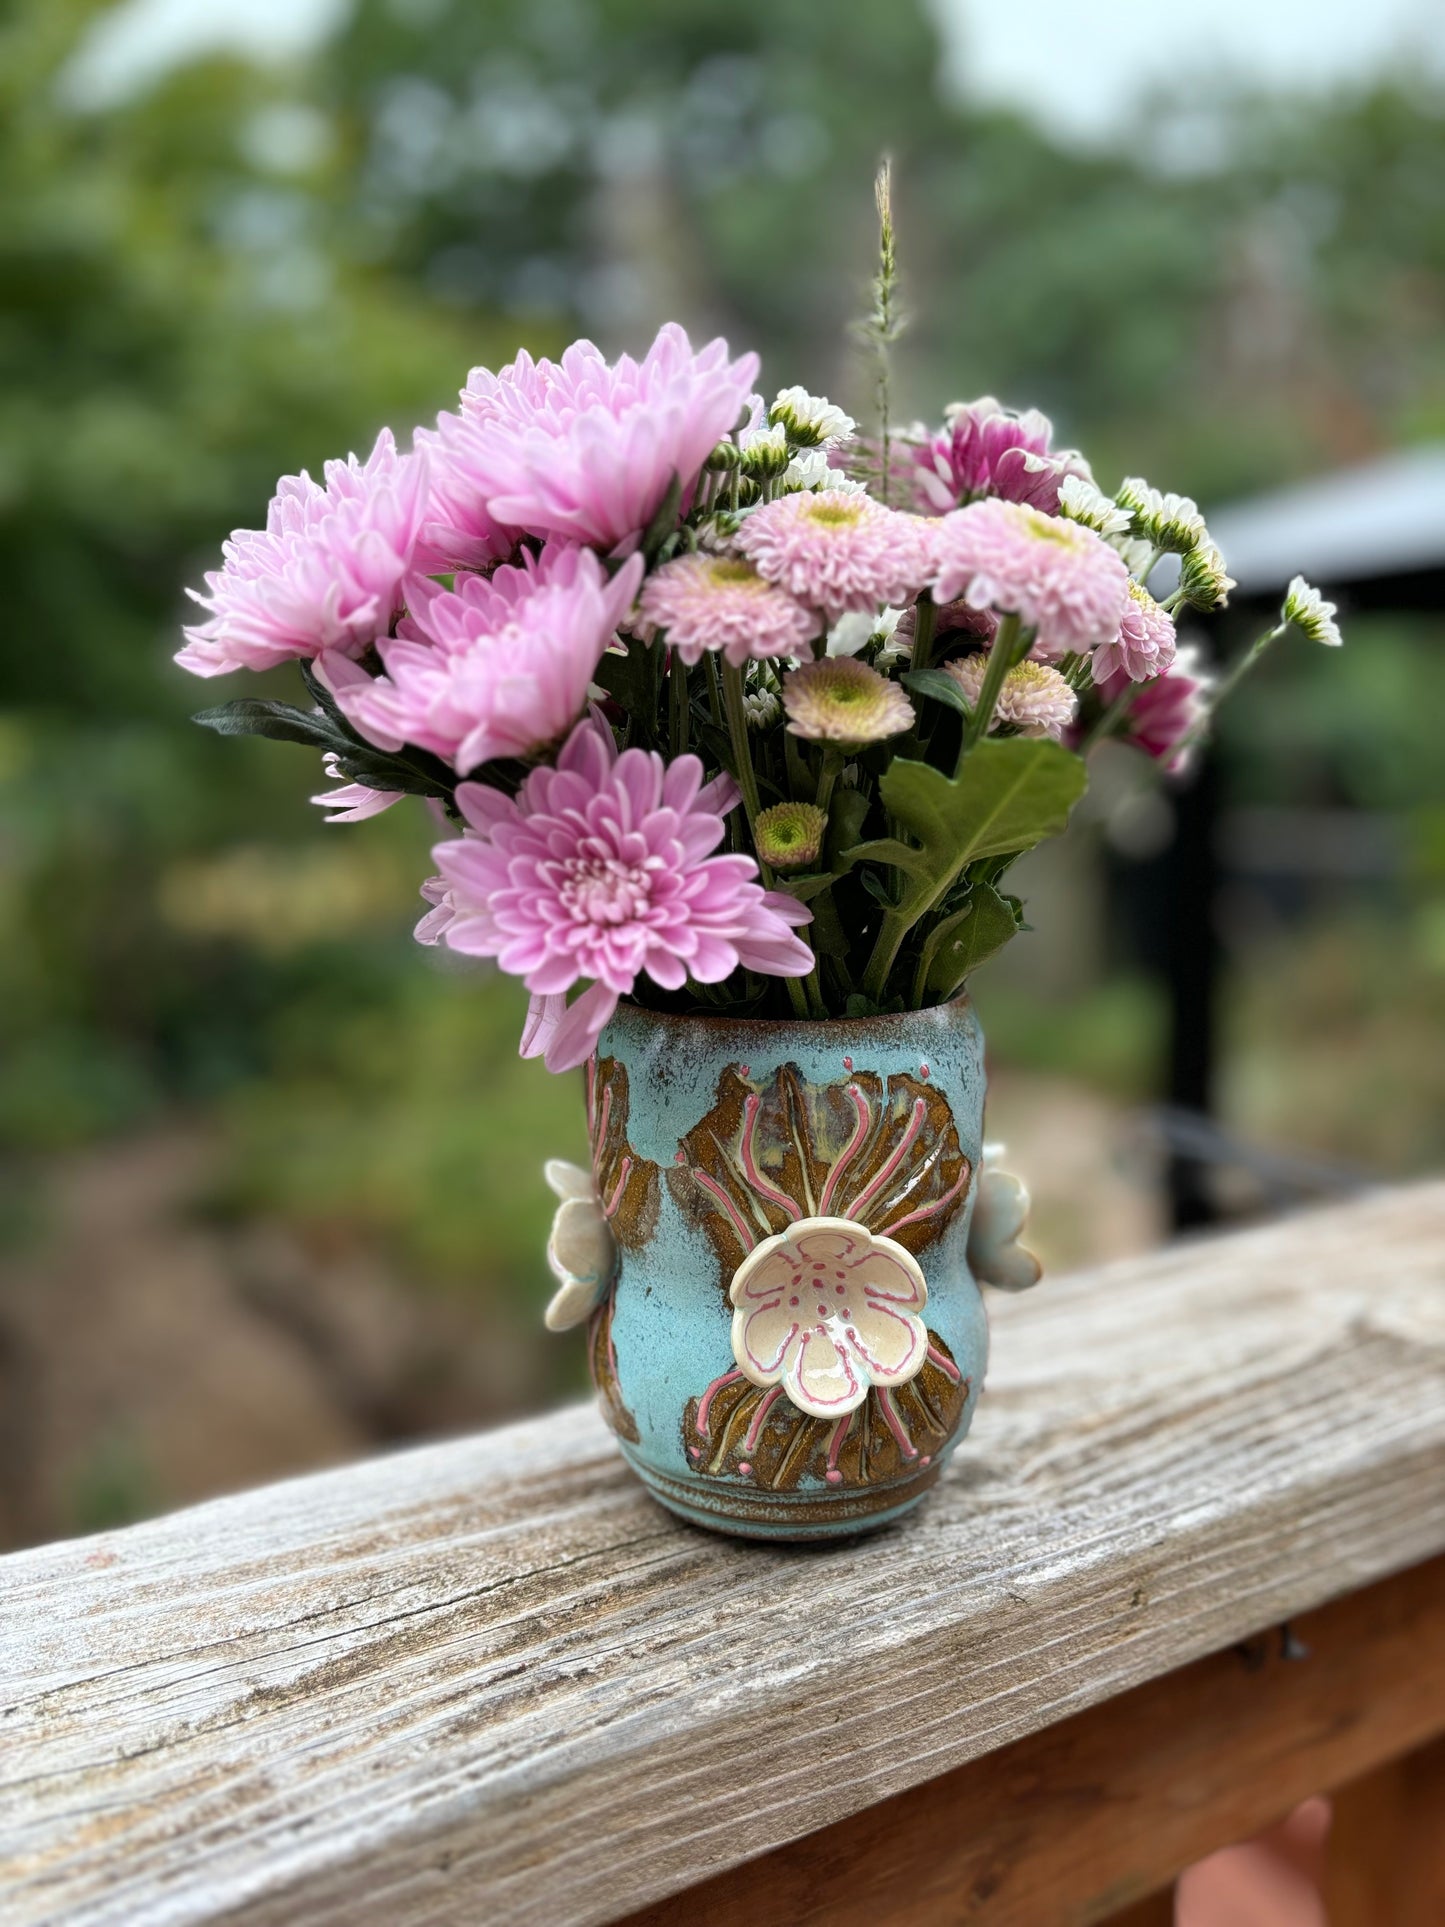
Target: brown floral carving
602 1362
740 1429
771 1152
627 1185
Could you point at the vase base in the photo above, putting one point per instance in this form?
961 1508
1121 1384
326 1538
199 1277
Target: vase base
745 1512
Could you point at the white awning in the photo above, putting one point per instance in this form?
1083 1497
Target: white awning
1384 518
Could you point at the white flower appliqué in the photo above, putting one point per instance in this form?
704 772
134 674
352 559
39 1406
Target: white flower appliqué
581 1251
828 1309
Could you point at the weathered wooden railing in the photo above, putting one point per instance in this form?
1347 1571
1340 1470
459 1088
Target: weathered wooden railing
489 1682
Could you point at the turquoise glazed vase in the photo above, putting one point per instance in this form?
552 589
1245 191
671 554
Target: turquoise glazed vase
772 1252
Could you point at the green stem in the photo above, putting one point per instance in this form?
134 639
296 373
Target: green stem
1009 646
833 761
1112 717
894 928
736 711
1001 658
920 976
1226 687
737 718
677 702
925 617
1233 677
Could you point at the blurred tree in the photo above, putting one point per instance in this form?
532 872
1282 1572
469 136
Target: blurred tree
178 327
606 163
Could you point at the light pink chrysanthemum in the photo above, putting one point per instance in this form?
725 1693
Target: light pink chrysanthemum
600 869
987 449
838 552
1144 646
842 700
496 667
1165 714
352 802
718 602
580 450
1059 578
324 573
1035 699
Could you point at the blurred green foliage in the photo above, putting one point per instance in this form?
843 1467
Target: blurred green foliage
240 272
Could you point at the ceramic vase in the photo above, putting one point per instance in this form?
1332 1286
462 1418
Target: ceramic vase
778 1251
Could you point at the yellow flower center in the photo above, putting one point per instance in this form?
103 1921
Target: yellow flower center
834 515
728 570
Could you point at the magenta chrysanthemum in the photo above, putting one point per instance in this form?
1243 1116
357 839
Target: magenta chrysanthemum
1165 714
496 667
838 552
579 449
1144 646
324 573
1059 578
600 869
1035 699
987 449
717 602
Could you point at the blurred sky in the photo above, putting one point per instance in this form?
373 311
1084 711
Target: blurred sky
1077 67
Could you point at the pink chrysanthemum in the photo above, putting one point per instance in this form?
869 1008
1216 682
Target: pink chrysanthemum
460 530
987 449
1035 699
842 700
1144 646
1059 578
496 667
1166 716
578 449
719 602
837 552
600 869
324 573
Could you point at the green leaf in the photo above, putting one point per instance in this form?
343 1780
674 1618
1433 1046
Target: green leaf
629 677
956 947
806 888
1008 796
282 722
888 849
800 778
380 771
847 813
320 694
939 686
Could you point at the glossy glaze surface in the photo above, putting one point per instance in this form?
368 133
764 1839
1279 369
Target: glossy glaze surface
711 1137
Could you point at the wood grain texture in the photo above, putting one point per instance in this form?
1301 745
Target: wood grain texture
491 1681
1073 1823
1385 1859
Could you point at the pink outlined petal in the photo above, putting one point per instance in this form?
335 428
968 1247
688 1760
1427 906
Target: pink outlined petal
822 1377
891 1345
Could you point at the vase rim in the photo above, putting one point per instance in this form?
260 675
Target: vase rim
704 1020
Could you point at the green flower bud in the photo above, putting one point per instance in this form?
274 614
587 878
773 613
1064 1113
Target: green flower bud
790 835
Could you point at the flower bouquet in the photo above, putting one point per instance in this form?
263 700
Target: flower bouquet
733 721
